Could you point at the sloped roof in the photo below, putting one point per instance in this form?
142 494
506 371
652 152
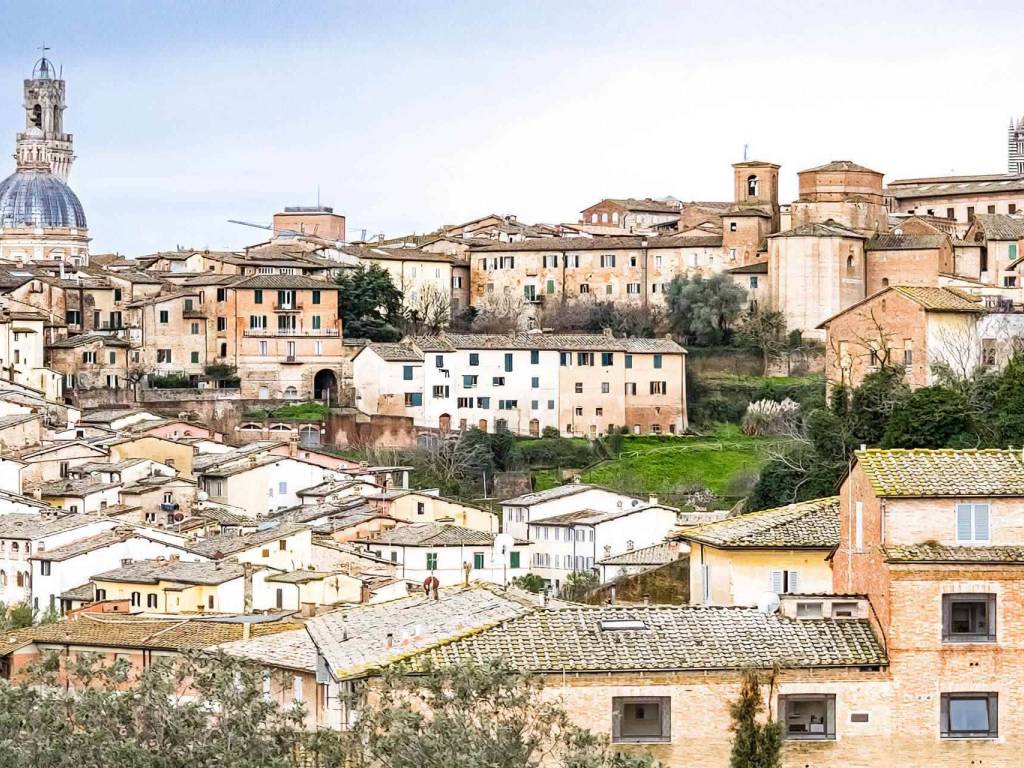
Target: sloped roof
431 535
285 281
155 571
396 353
806 525
578 639
656 554
999 226
946 472
946 186
289 650
549 494
355 640
611 243
938 553
829 228
555 341
225 544
840 165
941 299
890 242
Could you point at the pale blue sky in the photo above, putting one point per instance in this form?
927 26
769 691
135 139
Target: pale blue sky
409 115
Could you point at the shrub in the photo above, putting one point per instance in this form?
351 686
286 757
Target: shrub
170 381
767 417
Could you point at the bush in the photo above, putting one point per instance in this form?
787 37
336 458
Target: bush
554 452
931 417
550 432
170 381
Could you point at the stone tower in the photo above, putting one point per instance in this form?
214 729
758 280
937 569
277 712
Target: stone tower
1016 148
44 145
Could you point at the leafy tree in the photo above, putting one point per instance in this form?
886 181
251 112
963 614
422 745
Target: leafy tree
1008 403
758 741
702 310
931 417
874 400
16 616
531 582
371 305
578 585
978 389
764 332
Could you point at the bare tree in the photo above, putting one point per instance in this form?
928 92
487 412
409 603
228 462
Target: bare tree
430 313
499 314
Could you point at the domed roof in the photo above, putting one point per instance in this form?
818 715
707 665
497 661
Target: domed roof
39 199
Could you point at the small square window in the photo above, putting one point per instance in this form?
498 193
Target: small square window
808 610
808 716
969 716
641 719
969 618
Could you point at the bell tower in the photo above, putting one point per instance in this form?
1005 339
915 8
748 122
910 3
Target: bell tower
44 145
1015 157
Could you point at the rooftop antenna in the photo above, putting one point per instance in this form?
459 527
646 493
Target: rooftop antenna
317 195
745 146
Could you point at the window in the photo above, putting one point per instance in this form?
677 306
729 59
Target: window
88 357
631 388
991 209
641 719
1009 281
431 561
550 261
606 387
607 358
464 402
498 381
508 362
970 212
658 388
469 382
413 399
164 316
439 361
629 361
263 352
1012 208
478 561
968 618
551 405
137 598
584 288
599 411
257 322
584 358
549 287
474 358
608 260
752 186
257 296
809 610
222 294
407 373
441 391
513 559
316 322
808 716
579 410
753 281
421 508
784 582
194 357
151 600
316 297
1012 251
44 567
535 382
73 317
972 523
483 402
732 254
969 715
163 355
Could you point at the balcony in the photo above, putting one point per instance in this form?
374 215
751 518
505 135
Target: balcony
290 360
292 332
288 307
196 313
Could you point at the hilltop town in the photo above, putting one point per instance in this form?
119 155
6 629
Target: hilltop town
637 455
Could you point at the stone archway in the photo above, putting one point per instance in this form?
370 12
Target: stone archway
325 387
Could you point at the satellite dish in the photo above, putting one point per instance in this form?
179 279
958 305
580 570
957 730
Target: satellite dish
503 544
768 603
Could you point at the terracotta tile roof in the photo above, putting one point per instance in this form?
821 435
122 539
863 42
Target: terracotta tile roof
354 641
829 228
738 210
646 205
25 525
840 165
431 535
945 186
560 342
537 497
182 572
587 639
284 281
945 472
396 353
808 524
941 299
905 242
938 553
610 243
657 554
88 338
998 226
129 632
226 544
288 650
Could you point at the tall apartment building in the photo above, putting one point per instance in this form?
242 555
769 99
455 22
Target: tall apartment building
581 385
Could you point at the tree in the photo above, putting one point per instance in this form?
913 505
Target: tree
758 742
578 585
370 304
430 313
764 332
702 310
931 417
874 400
16 616
1008 403
592 316
455 463
531 582
498 314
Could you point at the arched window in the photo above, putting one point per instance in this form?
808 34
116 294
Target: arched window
885 282
290 393
14 546
752 184
151 600
615 217
593 218
19 579
3 578
137 598
101 594
849 263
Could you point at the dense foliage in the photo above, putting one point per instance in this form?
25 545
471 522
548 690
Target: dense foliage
370 304
758 740
702 310
106 718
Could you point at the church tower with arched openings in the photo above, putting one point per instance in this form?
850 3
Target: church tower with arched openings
1016 148
44 142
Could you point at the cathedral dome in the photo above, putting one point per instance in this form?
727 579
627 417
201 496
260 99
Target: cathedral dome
33 198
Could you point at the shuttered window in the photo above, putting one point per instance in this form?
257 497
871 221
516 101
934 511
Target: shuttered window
973 523
784 582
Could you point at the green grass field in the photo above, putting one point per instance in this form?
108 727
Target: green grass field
725 461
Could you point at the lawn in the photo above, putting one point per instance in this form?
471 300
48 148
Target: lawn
725 461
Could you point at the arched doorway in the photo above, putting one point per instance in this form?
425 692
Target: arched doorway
482 424
325 387
444 422
534 428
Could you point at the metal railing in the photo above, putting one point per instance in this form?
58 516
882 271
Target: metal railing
292 332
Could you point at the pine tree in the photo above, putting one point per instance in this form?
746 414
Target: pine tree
758 742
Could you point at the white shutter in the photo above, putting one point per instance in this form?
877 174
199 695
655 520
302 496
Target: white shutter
794 582
981 520
776 584
963 522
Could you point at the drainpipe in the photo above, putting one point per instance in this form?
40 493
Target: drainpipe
565 260
643 246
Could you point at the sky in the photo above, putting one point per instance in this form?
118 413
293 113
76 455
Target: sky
408 115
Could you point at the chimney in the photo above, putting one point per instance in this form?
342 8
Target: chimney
466 568
245 630
606 332
389 641
247 569
652 500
